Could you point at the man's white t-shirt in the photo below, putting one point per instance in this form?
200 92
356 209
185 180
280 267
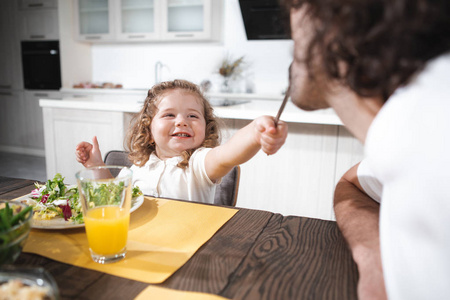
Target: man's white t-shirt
163 178
407 166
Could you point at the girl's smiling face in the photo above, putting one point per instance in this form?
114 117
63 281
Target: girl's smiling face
179 123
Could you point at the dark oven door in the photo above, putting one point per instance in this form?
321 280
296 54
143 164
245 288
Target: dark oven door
41 65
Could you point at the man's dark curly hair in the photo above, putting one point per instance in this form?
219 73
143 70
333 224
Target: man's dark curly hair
382 42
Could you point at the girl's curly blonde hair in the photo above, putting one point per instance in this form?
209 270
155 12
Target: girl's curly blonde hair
140 143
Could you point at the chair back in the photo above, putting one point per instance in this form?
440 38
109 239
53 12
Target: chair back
226 191
117 158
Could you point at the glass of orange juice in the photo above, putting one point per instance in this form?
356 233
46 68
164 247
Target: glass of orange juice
105 196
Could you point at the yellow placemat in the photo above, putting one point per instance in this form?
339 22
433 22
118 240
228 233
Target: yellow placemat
163 235
156 293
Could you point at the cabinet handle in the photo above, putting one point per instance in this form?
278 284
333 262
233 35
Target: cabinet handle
93 37
37 36
8 86
184 35
175 2
36 5
6 94
79 96
136 36
40 95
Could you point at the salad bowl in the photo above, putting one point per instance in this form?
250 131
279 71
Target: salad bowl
15 224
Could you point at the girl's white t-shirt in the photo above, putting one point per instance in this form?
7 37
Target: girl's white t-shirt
163 178
408 165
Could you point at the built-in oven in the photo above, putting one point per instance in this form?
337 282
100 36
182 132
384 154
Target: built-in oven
41 65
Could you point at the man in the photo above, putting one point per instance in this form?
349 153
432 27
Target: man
384 67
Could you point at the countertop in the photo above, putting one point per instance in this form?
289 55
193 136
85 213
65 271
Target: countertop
252 107
143 93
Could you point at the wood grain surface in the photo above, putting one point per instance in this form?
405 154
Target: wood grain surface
12 184
288 261
255 255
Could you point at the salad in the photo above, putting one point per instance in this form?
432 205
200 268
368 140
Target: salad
56 199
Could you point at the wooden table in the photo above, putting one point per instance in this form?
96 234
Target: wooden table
255 255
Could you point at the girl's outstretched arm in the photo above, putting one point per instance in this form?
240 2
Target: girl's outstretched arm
261 133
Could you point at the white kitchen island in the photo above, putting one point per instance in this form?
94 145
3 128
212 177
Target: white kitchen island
298 180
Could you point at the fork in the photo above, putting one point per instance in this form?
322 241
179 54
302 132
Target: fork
283 104
286 97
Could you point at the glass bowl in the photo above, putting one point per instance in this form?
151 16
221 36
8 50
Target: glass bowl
12 239
28 283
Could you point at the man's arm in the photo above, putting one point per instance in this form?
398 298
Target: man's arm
357 216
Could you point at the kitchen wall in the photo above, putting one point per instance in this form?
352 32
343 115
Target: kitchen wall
133 64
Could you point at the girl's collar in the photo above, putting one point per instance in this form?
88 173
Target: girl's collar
154 159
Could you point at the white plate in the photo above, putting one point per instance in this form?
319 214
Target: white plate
60 223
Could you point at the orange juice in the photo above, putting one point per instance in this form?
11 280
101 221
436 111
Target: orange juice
107 229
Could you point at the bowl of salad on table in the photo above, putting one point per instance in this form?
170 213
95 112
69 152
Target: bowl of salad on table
15 225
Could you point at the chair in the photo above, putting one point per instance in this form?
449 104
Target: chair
226 191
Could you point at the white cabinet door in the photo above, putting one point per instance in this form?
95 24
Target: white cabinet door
34 122
40 24
186 20
94 20
148 20
138 20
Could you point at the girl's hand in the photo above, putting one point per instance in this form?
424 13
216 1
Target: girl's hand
89 155
270 138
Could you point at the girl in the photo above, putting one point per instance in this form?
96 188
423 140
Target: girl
174 144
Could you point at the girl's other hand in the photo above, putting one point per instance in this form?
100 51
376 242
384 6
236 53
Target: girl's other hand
89 155
270 136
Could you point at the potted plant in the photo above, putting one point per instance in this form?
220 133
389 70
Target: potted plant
230 70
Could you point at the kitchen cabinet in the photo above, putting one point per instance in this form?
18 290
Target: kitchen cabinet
138 20
38 24
10 70
38 20
12 117
38 4
148 20
300 178
186 20
94 20
33 135
21 121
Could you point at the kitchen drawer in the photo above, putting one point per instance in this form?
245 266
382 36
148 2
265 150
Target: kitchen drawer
37 4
